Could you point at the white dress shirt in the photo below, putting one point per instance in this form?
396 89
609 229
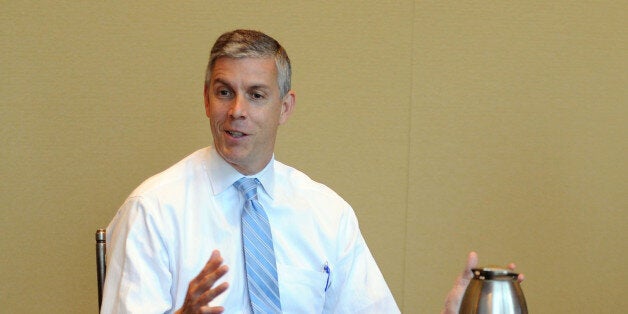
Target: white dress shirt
164 234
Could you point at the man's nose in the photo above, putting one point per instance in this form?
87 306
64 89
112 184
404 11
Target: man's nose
238 107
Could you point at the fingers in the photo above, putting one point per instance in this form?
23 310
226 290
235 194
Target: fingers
467 274
200 291
454 297
520 277
215 260
512 266
208 280
472 260
212 271
210 294
212 309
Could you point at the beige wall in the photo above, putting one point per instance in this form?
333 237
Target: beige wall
450 127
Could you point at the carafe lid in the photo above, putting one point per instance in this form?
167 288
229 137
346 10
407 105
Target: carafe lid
493 273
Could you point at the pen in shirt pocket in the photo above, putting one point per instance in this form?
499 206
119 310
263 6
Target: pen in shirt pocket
327 270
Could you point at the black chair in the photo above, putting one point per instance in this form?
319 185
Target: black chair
101 267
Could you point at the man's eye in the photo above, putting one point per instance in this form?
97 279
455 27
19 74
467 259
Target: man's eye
257 96
224 93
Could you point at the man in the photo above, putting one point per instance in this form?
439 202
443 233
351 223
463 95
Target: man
181 242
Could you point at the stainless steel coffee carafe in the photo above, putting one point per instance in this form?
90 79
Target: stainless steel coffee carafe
493 290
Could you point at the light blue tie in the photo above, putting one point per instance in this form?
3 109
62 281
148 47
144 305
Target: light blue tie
259 255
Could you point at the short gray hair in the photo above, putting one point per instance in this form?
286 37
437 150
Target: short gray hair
242 43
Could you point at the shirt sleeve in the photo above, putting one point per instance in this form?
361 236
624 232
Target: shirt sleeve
138 278
357 285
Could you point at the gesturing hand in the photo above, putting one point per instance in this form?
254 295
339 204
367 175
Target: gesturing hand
200 291
454 298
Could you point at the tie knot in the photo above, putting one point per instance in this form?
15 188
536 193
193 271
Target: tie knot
248 187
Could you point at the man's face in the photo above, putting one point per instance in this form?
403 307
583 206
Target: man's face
244 108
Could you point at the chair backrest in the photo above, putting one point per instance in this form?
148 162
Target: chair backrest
101 267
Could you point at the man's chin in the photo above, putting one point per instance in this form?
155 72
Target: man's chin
232 156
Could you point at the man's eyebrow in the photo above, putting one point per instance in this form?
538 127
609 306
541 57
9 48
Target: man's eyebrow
221 81
259 86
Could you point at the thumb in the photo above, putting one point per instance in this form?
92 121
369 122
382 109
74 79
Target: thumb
467 275
454 298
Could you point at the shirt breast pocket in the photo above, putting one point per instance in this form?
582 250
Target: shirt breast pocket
301 290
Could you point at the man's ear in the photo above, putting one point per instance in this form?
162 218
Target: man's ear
206 98
287 106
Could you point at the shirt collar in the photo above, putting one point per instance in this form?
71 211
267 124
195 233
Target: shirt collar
222 175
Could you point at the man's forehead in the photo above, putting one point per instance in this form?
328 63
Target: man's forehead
260 69
265 61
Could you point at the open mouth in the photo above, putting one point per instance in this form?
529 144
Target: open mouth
235 134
